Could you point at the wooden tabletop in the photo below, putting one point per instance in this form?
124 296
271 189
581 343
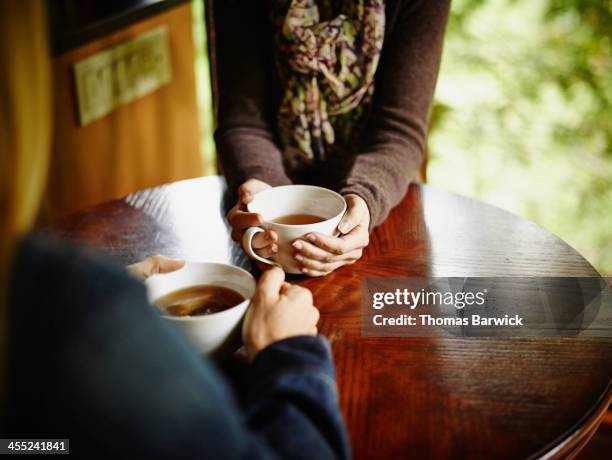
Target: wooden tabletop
431 397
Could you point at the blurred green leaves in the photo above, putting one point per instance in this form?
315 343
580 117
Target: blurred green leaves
523 114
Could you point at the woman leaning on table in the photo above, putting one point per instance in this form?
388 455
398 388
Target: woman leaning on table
84 356
331 93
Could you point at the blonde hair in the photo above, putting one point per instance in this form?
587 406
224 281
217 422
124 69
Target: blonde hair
25 131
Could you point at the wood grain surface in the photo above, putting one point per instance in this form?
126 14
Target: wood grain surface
430 397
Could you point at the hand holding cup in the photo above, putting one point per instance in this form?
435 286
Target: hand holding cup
290 212
279 310
239 217
319 254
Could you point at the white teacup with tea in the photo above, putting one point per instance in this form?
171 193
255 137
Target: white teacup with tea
293 211
206 300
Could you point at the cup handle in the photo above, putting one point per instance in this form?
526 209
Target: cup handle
247 240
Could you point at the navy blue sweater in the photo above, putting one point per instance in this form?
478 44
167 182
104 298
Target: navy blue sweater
90 360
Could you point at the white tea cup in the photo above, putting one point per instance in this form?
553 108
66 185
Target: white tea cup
215 332
287 200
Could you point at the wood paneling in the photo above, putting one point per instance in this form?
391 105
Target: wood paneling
147 142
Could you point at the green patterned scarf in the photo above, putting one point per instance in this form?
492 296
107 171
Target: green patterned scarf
326 68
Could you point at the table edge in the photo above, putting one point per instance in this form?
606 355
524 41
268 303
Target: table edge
571 442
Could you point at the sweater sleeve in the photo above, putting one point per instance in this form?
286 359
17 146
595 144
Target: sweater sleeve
293 400
391 148
120 381
248 95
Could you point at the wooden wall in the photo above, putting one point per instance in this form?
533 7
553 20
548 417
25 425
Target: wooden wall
150 141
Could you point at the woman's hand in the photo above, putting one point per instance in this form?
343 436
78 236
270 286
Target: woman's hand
319 254
264 243
278 311
153 265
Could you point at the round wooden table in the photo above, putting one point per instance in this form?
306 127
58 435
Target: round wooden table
426 397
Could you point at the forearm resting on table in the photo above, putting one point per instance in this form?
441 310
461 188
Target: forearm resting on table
381 177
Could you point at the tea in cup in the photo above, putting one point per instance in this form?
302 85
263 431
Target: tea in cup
293 211
206 300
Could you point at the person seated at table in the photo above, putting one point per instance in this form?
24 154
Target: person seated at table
327 93
84 356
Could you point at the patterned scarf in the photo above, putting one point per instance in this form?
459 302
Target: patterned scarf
327 71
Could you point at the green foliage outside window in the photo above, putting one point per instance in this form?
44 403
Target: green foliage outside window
523 114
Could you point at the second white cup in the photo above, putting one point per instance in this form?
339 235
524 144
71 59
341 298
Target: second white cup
218 332
281 203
